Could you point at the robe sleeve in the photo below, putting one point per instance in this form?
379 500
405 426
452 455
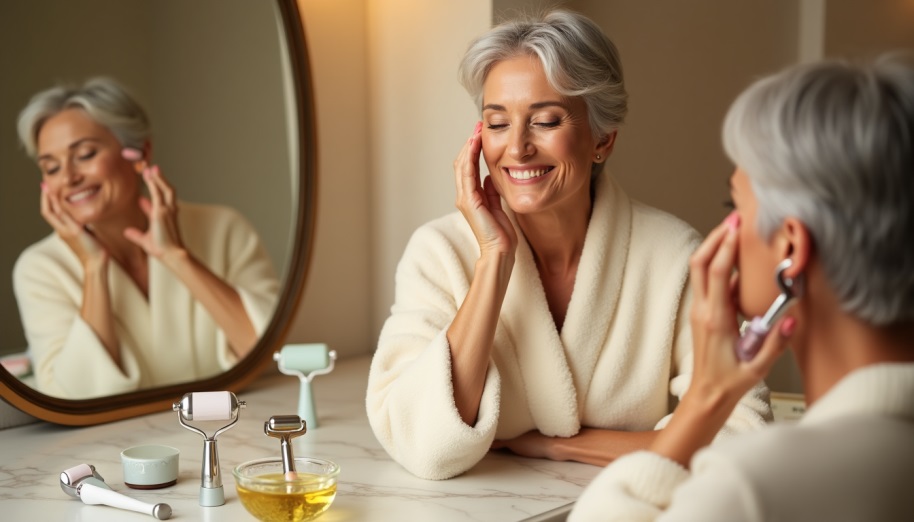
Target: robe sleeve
644 486
410 398
753 410
67 356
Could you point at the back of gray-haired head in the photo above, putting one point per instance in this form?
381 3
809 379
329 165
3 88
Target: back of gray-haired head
578 59
832 144
103 99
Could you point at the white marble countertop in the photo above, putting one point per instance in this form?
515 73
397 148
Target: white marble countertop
371 486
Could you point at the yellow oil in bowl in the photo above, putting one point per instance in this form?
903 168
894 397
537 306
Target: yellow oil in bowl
272 496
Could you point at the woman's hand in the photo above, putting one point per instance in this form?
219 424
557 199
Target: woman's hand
480 203
162 239
713 317
719 378
80 239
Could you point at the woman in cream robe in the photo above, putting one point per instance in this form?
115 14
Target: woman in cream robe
129 291
546 316
167 339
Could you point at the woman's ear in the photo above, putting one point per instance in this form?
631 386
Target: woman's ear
604 147
797 243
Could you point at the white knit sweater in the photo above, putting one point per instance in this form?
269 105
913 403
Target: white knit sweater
850 458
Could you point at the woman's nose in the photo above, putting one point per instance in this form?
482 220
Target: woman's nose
519 144
70 174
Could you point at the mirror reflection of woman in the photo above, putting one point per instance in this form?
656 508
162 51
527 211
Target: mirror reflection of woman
129 291
545 317
825 179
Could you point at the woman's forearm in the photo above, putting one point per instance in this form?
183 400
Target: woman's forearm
600 447
218 298
471 333
96 308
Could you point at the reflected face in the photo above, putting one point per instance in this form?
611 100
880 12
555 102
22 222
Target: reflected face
80 162
758 259
537 144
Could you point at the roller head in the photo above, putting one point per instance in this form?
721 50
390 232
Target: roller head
72 475
71 478
207 406
304 358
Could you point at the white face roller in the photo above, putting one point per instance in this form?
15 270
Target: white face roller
83 482
209 406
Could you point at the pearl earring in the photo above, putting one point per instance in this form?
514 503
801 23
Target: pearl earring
599 157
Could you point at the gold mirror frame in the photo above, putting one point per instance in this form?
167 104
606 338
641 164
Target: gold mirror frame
116 407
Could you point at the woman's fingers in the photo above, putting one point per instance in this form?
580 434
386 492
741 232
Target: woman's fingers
466 167
701 259
720 272
772 348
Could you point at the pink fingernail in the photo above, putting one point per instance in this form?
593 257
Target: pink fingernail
788 326
732 221
131 154
44 186
478 128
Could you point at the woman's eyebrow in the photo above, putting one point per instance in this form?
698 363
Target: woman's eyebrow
537 105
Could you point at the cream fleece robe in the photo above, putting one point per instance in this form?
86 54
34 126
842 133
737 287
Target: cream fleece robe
623 355
850 458
168 339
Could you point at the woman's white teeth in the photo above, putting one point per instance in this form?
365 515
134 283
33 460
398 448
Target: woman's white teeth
81 195
526 174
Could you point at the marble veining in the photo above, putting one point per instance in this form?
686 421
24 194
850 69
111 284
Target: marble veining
372 487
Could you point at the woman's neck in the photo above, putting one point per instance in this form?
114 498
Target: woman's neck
110 233
832 343
557 237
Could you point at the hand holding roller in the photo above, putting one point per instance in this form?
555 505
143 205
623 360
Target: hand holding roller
306 361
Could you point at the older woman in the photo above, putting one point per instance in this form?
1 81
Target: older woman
544 316
824 179
128 291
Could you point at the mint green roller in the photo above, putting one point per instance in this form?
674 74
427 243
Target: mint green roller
306 361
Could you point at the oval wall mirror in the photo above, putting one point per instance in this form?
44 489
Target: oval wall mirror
228 89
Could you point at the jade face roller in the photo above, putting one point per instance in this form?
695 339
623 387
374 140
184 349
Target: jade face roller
209 406
84 483
306 361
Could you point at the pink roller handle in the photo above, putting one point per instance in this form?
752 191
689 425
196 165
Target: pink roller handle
751 341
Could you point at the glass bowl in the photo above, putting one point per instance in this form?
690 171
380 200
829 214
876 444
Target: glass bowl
272 496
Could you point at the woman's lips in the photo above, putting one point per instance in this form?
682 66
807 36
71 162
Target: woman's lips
82 195
525 174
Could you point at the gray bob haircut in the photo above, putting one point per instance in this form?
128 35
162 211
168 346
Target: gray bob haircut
103 99
578 59
832 144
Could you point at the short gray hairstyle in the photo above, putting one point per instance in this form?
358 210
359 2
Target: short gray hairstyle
832 144
103 99
578 59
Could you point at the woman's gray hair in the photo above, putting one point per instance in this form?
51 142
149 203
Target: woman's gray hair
578 60
103 99
832 144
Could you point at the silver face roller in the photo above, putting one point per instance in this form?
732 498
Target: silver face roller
84 483
209 406
284 428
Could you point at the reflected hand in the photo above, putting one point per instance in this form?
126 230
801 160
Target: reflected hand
163 237
80 239
714 320
480 203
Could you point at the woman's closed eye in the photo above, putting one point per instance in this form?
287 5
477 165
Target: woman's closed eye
548 124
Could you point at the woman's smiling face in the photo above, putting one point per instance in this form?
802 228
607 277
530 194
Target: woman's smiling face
81 163
537 144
